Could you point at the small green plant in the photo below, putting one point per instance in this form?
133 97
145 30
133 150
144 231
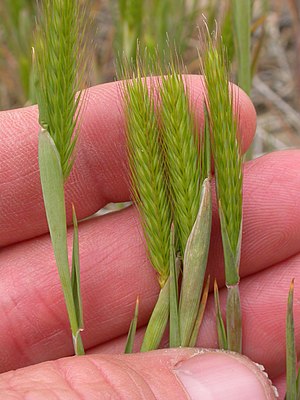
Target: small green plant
60 66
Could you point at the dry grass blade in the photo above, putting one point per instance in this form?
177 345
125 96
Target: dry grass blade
147 173
182 156
200 316
221 330
132 329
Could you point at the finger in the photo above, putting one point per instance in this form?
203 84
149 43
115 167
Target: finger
115 270
173 374
99 175
264 303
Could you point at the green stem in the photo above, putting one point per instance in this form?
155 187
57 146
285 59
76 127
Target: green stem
234 319
158 320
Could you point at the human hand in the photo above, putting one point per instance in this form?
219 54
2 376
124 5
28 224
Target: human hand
34 324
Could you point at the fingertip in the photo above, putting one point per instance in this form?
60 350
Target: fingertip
215 375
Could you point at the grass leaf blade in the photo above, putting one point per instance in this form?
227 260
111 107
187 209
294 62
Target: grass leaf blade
53 192
195 260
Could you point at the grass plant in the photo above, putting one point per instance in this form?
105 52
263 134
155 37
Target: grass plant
228 172
173 195
60 66
150 193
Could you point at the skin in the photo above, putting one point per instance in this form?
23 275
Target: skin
34 327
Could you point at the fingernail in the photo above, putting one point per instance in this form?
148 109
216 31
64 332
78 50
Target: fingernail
216 375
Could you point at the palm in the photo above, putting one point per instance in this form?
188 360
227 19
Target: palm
115 269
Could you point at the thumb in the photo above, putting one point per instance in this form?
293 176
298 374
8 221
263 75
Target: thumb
164 374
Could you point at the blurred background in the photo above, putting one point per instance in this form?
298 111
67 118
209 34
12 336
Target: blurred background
275 51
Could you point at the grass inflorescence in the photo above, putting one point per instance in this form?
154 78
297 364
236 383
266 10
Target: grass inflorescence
181 150
172 196
147 173
228 171
60 68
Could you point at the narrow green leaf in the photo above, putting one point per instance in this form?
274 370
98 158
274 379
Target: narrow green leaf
132 329
291 355
221 330
195 260
242 26
75 275
174 338
158 320
53 192
200 314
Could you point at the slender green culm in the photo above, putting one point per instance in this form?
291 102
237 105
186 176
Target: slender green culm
291 354
174 333
132 329
147 173
59 69
181 150
241 11
75 273
228 167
